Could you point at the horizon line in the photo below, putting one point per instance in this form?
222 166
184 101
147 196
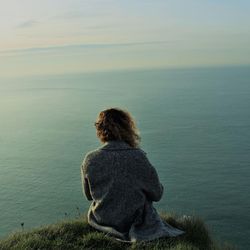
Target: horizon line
134 69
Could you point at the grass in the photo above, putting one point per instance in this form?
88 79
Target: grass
77 234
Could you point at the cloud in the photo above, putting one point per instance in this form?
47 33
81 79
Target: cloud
81 46
27 24
84 46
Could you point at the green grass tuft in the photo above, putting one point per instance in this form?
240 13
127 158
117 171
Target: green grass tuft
77 234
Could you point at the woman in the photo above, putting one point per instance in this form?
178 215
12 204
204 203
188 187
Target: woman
122 183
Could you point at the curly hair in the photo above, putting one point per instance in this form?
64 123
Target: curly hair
115 124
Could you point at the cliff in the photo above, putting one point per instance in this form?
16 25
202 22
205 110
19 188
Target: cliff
77 234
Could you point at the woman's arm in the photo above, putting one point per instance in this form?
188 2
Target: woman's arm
153 188
85 182
150 181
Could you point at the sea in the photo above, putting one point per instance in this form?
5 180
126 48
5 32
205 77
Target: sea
194 124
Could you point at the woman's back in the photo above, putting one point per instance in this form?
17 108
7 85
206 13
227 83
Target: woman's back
120 180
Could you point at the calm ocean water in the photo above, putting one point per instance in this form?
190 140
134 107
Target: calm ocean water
195 127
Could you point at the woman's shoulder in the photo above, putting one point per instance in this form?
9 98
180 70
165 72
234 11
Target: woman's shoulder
92 154
105 150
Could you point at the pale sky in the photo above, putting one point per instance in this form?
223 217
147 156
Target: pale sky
67 36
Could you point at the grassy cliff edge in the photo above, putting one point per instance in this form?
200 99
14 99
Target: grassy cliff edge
77 234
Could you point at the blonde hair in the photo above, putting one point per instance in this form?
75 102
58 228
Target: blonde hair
115 124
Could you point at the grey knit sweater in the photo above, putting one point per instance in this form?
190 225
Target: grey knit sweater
122 185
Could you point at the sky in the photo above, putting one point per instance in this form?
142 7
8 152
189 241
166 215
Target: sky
39 37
